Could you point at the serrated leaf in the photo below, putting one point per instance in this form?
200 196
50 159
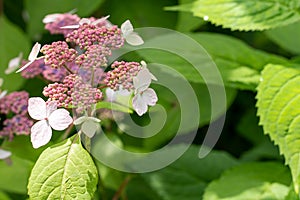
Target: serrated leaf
278 108
188 176
14 177
186 21
37 10
251 181
13 41
286 37
63 171
245 15
238 63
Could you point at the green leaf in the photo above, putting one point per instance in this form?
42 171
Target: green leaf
278 108
186 21
245 15
187 177
286 37
113 106
13 41
14 176
4 196
140 13
37 10
22 147
238 63
63 171
251 181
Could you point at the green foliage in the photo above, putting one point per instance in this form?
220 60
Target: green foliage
187 177
11 37
63 171
37 10
113 106
245 15
14 176
251 181
238 63
278 100
286 37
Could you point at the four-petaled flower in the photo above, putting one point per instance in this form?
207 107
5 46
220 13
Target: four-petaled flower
130 36
89 125
32 56
143 95
49 117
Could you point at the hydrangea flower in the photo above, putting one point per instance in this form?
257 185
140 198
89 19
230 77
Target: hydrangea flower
86 21
130 36
49 117
32 56
143 95
89 125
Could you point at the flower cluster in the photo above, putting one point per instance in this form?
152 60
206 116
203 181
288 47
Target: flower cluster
79 71
15 104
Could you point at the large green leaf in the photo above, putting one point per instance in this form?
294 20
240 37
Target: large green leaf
63 171
145 13
286 37
238 63
187 177
245 15
37 10
3 196
186 21
14 177
251 181
13 41
278 108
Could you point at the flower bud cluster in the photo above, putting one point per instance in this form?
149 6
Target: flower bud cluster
58 54
60 20
121 77
73 92
89 34
15 103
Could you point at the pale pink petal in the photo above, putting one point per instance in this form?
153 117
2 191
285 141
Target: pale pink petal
41 134
4 154
37 108
144 65
24 67
84 21
149 97
75 26
98 21
134 39
51 18
89 128
34 52
139 105
2 94
60 119
14 64
126 28
142 81
51 106
80 120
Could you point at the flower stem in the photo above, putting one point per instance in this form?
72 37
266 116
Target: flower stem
122 187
